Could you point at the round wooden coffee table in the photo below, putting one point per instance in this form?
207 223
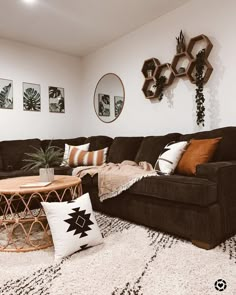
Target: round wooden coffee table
23 224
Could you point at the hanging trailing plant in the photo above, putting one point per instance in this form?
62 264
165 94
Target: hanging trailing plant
199 97
159 85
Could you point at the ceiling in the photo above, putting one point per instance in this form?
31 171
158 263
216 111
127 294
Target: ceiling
77 27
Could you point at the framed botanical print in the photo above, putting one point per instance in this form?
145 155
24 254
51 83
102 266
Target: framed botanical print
56 99
104 105
6 94
31 97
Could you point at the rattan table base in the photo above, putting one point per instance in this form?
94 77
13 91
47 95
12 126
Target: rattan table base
23 224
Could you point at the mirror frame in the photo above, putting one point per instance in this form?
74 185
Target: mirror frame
95 93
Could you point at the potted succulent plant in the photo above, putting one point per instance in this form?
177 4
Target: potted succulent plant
44 160
180 47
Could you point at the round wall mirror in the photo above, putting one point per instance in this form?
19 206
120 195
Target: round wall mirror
109 96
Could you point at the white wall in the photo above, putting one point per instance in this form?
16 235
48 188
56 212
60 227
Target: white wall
22 63
176 112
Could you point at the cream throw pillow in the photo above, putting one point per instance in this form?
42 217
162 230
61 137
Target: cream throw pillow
73 225
169 158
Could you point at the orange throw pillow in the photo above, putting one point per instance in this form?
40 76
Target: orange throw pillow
79 157
198 152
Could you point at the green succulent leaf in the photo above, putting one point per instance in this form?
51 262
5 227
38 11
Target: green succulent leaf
50 157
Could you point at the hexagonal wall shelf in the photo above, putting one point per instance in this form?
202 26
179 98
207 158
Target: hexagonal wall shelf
165 70
149 67
148 89
198 43
207 71
180 64
183 65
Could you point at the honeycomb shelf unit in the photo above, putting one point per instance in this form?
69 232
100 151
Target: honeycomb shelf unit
150 67
207 71
165 70
149 91
197 43
180 64
183 65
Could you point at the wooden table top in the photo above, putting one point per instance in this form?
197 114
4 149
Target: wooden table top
12 185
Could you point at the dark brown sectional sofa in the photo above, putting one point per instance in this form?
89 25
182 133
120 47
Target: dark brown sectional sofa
199 208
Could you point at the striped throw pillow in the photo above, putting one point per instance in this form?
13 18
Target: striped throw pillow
82 158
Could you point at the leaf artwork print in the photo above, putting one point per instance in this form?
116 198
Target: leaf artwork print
6 99
31 100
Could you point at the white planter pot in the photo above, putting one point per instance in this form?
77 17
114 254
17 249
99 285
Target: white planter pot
149 73
46 174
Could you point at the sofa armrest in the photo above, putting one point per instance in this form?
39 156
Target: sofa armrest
210 170
224 174
226 191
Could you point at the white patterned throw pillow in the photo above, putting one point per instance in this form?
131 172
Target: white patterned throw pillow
73 225
169 158
82 147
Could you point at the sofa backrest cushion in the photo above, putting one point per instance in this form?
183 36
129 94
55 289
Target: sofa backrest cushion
153 146
226 149
124 148
13 152
61 142
1 162
99 142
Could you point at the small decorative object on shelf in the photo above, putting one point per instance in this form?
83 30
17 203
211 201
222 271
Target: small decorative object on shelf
180 47
150 68
159 85
181 70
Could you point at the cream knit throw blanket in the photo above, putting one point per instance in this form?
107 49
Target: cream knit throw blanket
113 179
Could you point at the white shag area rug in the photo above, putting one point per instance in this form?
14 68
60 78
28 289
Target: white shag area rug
133 260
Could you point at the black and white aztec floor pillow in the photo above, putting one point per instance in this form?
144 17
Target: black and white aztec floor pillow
169 158
73 225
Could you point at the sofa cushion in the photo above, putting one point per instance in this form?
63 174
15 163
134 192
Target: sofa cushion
198 152
13 152
1 163
124 148
152 146
226 149
180 189
98 142
17 173
61 142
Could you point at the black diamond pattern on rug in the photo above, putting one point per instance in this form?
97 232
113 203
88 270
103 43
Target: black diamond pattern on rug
79 222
